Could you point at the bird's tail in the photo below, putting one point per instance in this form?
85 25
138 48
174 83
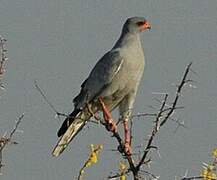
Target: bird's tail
68 121
71 126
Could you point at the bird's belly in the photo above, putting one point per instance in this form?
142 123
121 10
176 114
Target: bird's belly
113 100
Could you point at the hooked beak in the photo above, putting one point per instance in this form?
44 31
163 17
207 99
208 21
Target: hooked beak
145 26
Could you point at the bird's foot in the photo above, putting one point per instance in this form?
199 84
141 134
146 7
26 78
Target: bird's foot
127 141
109 123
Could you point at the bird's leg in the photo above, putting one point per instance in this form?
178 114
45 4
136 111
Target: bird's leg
110 124
127 143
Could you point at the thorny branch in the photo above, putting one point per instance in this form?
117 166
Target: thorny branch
163 115
3 59
178 93
118 175
4 141
153 133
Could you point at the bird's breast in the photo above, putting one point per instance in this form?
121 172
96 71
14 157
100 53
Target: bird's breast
134 62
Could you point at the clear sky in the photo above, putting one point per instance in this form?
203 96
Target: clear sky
58 42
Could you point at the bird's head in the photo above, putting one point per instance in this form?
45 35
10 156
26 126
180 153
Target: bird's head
136 25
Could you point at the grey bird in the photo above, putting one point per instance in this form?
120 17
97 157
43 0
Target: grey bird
115 78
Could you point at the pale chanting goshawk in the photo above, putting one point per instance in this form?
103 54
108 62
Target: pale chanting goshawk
115 78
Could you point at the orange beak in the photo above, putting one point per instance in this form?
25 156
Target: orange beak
145 26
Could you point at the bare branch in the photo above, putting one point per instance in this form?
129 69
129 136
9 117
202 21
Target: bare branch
6 140
163 115
119 174
194 177
178 92
154 131
3 59
143 115
38 88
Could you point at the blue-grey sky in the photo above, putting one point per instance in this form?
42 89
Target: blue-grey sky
58 42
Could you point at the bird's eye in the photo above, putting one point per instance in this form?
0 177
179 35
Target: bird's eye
140 23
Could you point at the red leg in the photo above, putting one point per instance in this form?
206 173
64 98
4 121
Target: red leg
110 124
127 143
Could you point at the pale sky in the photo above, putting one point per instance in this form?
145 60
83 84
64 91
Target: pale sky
58 42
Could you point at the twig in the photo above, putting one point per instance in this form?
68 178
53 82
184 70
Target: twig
178 92
119 174
3 58
194 177
151 174
38 88
6 140
154 131
163 115
143 115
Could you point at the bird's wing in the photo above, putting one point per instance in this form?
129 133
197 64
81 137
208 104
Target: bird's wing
100 77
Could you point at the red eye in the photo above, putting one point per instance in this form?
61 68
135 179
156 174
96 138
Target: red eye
141 23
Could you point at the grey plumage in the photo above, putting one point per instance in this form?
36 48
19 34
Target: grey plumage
115 78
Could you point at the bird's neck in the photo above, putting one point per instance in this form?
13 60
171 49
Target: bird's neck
128 40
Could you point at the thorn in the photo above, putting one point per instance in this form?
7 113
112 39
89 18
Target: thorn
20 131
174 85
152 107
186 173
192 86
5 134
56 116
194 72
159 155
160 93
